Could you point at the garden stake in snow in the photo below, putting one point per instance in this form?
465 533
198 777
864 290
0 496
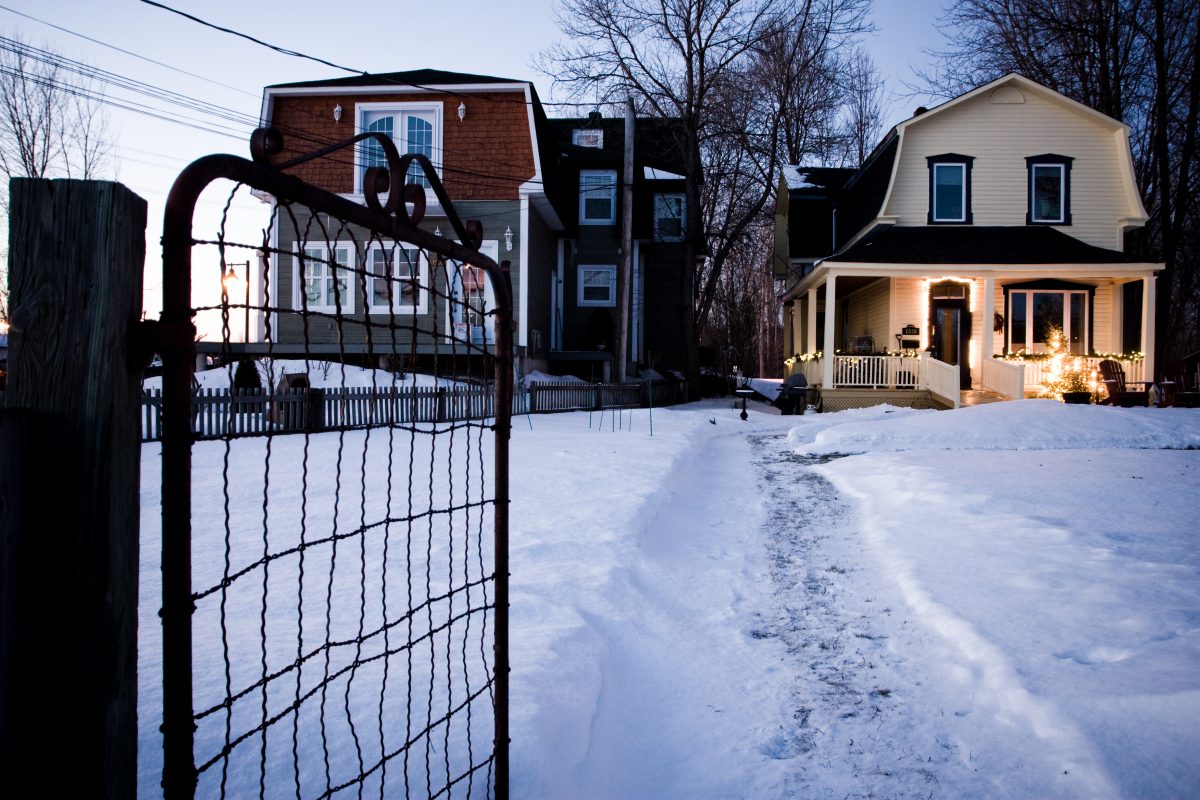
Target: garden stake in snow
348 632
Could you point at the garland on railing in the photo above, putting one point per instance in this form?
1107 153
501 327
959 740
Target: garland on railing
1021 355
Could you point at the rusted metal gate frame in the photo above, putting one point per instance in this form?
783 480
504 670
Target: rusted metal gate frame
177 347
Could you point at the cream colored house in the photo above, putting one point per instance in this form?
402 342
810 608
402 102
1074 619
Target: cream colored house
971 228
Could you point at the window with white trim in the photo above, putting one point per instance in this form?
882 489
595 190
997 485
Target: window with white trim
413 127
323 276
1032 312
597 196
597 285
669 217
395 276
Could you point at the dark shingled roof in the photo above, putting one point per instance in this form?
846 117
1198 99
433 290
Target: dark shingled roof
975 244
415 77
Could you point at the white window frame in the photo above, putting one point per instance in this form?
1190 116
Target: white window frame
962 168
609 185
420 278
588 137
1062 192
491 249
400 111
1064 323
611 300
299 282
660 198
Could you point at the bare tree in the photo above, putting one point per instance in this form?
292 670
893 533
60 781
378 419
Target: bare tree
862 92
1135 60
694 61
49 126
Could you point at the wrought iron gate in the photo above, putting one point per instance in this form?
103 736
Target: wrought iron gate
334 600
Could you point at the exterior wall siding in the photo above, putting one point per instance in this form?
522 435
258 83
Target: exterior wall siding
1000 136
487 155
869 314
291 328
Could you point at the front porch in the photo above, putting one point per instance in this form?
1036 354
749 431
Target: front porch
918 380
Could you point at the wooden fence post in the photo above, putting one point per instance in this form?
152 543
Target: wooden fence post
69 490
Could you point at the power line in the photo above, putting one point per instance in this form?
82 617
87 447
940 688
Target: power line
353 70
126 52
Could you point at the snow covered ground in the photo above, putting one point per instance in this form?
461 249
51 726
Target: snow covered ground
999 601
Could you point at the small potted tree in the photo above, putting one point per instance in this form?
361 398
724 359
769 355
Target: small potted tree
1075 387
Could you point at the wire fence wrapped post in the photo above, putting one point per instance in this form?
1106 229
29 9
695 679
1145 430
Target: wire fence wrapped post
335 600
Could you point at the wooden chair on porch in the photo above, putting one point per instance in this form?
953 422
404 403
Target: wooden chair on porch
1112 375
1181 386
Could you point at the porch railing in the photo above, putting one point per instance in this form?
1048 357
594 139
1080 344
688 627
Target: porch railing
876 372
1005 377
1035 370
941 379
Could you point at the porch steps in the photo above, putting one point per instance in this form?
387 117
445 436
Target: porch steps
977 397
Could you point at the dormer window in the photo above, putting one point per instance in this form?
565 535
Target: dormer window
414 127
588 137
1049 190
950 189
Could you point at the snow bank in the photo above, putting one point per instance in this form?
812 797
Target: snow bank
537 376
321 375
1017 425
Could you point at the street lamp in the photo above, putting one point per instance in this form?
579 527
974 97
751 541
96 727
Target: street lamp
232 282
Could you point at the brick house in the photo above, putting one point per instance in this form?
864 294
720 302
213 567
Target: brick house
531 181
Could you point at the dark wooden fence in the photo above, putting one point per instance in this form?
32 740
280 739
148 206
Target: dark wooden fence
246 412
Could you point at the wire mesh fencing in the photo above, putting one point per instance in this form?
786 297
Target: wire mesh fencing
342 592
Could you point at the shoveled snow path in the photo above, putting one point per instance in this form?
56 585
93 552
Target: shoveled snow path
686 703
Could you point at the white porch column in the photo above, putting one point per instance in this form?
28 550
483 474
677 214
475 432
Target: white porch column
1148 285
830 314
810 341
988 346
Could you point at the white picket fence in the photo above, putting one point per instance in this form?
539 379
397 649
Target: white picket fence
246 412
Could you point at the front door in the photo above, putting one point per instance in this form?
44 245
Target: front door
952 335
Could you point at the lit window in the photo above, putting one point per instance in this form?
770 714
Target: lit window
668 217
1049 190
590 137
1032 313
597 196
323 277
394 279
949 188
597 285
414 127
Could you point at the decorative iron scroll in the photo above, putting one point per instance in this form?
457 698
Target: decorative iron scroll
335 576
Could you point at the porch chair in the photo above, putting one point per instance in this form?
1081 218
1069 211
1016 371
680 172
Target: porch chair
1183 383
1112 375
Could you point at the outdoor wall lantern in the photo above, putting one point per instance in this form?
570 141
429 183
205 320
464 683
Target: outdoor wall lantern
508 238
462 111
337 113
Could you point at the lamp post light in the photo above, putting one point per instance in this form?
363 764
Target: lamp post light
231 280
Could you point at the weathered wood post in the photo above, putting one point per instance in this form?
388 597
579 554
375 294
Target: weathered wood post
70 447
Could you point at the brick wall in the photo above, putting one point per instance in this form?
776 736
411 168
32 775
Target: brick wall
487 156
